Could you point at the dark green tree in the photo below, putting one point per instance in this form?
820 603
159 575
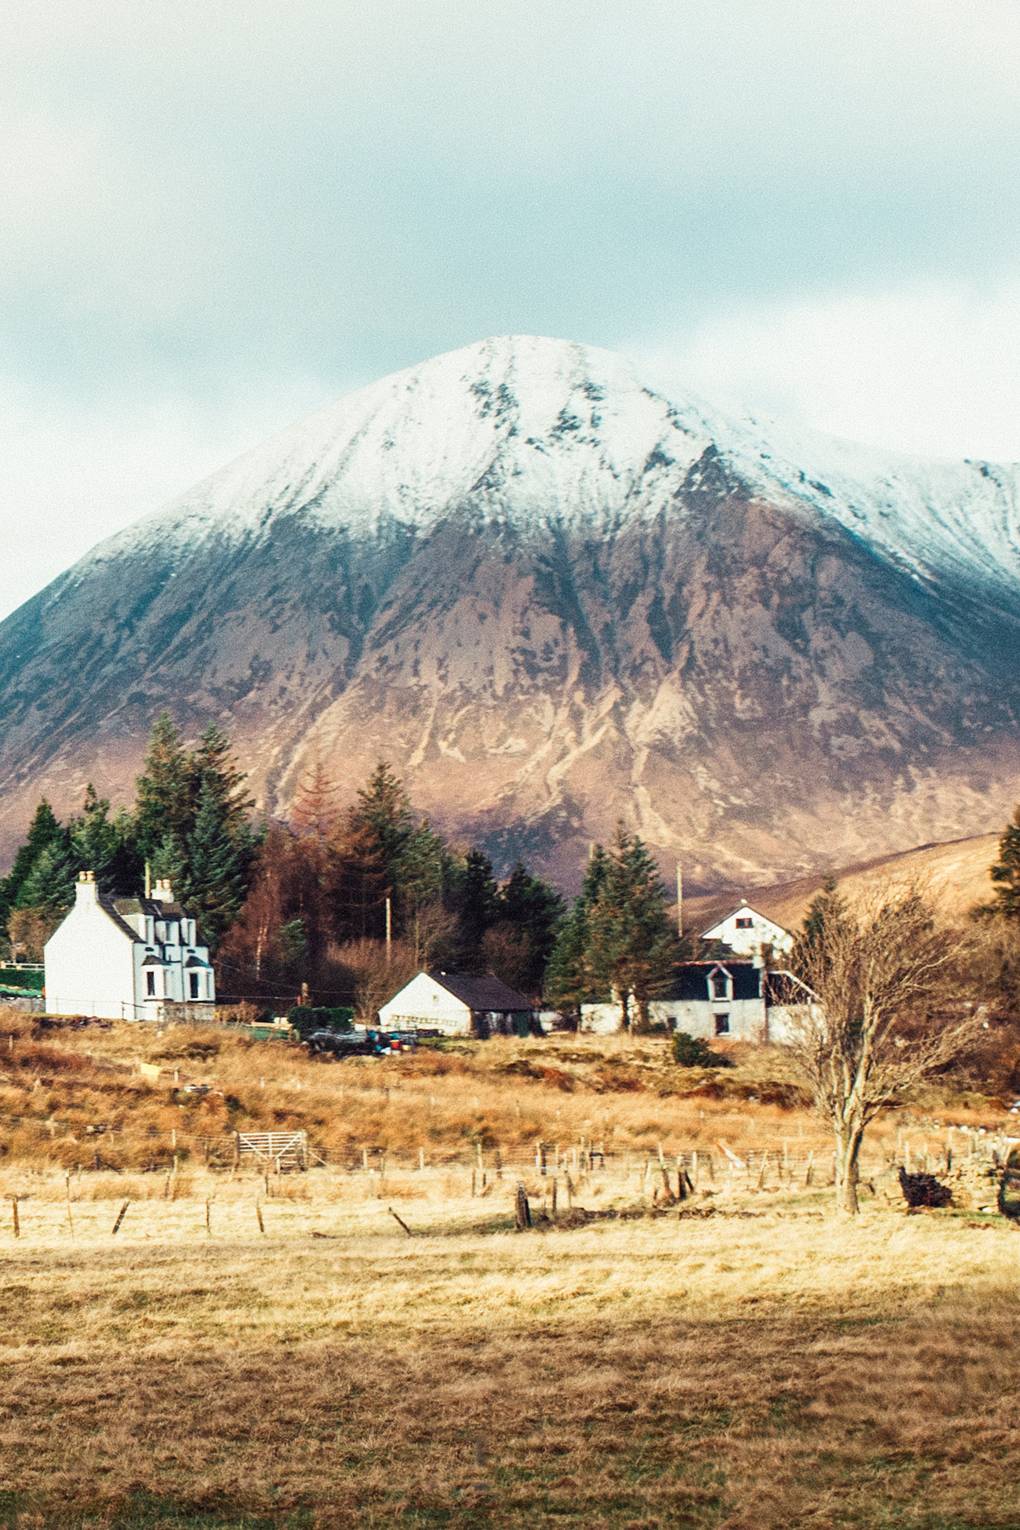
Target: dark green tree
826 912
104 844
475 901
534 911
217 857
632 947
165 792
45 829
50 883
569 979
1006 871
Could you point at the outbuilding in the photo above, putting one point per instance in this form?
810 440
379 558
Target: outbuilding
458 1004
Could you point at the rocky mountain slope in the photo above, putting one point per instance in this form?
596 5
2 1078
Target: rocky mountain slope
552 597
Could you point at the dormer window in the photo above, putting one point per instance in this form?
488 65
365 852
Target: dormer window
720 984
744 923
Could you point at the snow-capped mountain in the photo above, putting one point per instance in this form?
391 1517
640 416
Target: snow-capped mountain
553 597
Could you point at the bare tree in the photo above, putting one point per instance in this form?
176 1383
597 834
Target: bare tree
376 974
888 1011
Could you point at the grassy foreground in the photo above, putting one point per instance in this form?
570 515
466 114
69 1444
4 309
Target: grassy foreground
757 1367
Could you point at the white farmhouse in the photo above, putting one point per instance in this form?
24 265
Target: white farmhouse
724 1000
746 931
128 959
458 1004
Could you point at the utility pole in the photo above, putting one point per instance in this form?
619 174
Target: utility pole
389 928
679 901
148 879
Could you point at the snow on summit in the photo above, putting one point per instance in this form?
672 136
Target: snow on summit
525 429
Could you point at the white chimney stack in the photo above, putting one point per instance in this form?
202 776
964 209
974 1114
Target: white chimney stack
85 889
162 891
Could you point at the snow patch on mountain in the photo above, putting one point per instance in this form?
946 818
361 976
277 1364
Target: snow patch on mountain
530 431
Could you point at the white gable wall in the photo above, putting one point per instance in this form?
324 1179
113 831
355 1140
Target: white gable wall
90 966
745 931
424 1002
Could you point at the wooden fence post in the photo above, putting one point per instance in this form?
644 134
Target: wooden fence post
120 1217
258 1217
522 1211
14 1216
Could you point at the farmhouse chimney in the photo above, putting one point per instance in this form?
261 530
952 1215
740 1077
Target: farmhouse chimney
162 891
85 889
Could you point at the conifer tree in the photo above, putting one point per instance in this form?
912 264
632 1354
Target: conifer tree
45 829
632 948
1006 871
218 854
476 903
569 976
165 791
103 844
49 885
534 910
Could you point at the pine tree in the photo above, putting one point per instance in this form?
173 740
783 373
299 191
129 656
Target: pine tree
476 904
632 948
45 829
569 977
535 911
826 912
95 840
218 856
49 885
165 791
1006 871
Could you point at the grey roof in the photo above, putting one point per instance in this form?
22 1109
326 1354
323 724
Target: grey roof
109 907
485 992
196 961
151 906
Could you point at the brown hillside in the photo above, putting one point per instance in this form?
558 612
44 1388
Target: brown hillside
957 872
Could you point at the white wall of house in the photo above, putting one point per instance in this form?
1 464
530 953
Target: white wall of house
424 1002
744 1019
94 966
745 931
90 963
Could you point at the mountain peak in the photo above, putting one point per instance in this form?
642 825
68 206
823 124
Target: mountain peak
552 596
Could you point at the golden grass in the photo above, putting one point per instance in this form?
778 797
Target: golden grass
71 1098
761 1367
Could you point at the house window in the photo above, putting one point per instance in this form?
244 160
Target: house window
745 924
719 984
722 1025
150 984
193 984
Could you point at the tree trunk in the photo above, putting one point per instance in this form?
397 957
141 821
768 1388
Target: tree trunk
848 1151
643 1022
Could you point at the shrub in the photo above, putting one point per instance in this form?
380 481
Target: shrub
320 1017
692 1052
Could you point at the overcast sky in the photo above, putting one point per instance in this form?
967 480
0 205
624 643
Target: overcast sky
217 217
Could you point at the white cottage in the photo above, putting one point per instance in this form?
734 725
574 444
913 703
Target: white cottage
458 1004
724 1000
746 932
128 959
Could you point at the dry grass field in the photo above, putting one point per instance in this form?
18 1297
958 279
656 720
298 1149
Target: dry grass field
756 1367
251 1352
